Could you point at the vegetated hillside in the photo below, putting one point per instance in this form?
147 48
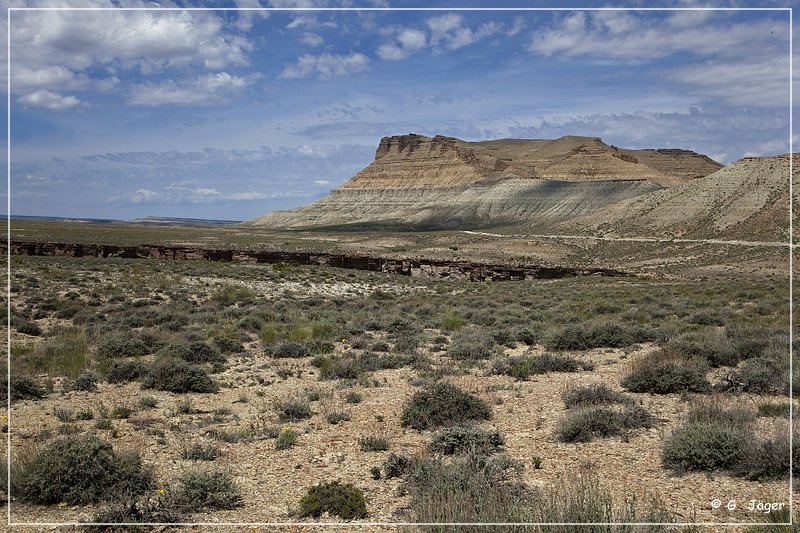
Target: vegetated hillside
441 182
748 199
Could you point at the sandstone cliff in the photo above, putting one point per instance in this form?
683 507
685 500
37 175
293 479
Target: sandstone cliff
419 182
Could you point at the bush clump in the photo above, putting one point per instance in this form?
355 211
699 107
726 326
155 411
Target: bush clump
175 375
708 344
123 345
291 349
593 395
762 375
464 439
665 372
76 471
522 367
125 371
705 446
584 424
22 388
293 410
193 352
206 490
338 499
472 343
396 465
602 335
443 404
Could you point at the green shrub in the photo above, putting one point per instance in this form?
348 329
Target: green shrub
705 446
452 321
522 367
200 452
28 328
465 439
22 388
175 375
467 489
78 470
85 382
716 410
773 408
443 404
293 410
768 458
396 465
709 344
602 335
587 423
353 397
286 439
762 375
373 443
194 352
125 371
206 490
227 345
290 349
338 499
337 416
665 372
592 395
472 343
64 354
123 345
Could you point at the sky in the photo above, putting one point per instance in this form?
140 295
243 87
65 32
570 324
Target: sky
232 114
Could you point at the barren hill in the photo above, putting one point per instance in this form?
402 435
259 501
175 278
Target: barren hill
442 182
747 199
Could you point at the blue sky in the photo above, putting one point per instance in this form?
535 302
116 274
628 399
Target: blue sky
218 114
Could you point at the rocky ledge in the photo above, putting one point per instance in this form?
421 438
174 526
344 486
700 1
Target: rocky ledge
421 268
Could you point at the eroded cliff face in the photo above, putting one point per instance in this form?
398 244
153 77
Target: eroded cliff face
419 182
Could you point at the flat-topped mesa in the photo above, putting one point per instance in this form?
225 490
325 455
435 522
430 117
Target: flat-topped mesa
418 161
443 182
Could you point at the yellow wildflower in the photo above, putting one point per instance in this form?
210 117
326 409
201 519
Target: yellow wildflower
162 491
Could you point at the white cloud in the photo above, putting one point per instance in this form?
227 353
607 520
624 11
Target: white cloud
610 36
246 196
206 89
322 183
326 66
144 195
408 42
518 25
449 29
752 83
49 100
63 50
311 39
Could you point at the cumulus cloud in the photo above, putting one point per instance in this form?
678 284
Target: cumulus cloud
205 89
65 50
49 100
326 66
407 43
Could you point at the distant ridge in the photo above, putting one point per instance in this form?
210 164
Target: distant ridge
146 221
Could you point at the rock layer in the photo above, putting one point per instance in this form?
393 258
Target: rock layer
421 268
747 199
419 182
